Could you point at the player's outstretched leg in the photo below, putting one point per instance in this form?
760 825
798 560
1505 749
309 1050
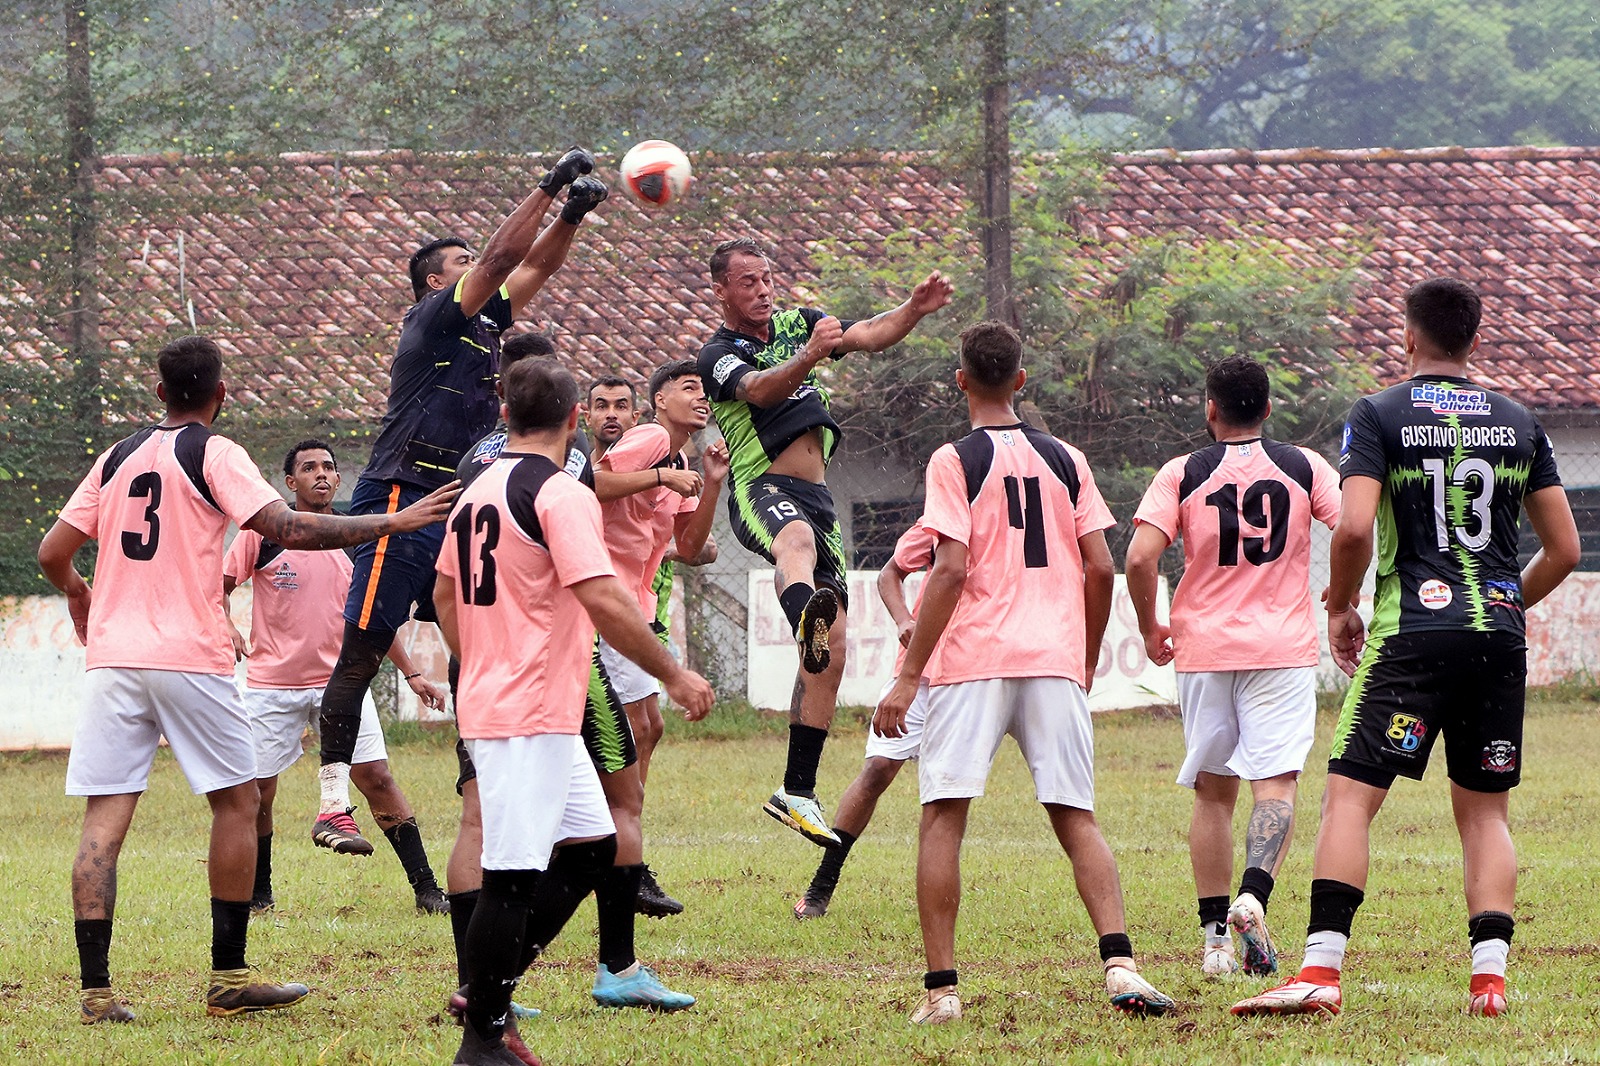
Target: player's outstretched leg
856 808
393 813
810 713
360 654
1315 989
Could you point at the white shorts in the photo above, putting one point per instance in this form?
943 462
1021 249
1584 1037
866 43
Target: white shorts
629 680
1252 724
128 712
279 717
902 748
1048 716
536 792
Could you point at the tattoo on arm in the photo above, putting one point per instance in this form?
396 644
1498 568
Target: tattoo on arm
318 532
1267 837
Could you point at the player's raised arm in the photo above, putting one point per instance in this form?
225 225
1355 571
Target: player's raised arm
693 530
319 532
514 239
550 248
891 327
764 388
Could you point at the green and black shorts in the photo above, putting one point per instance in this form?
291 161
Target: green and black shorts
761 508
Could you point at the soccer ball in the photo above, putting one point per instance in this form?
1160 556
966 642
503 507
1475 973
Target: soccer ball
656 173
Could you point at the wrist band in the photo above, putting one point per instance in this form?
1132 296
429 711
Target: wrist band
408 677
658 477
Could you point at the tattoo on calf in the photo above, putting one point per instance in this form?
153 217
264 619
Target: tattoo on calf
1268 834
796 699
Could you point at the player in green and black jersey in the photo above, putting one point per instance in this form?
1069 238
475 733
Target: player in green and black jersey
1443 467
759 371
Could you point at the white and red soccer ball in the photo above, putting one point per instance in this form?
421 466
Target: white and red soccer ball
656 173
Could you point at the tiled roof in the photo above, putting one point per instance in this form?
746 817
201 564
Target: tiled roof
296 263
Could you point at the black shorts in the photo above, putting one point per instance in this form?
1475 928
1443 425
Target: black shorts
761 508
1411 687
394 574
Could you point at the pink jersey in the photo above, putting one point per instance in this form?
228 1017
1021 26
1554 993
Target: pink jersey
159 503
1019 499
1244 511
296 611
520 536
913 552
640 527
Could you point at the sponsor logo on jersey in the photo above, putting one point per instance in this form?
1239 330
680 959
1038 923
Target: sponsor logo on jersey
1448 400
1503 594
1344 444
1007 439
488 449
1499 756
1435 595
744 346
1246 450
725 368
284 578
1406 732
575 462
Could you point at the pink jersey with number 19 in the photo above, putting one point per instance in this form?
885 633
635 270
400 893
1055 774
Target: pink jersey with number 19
1019 499
1244 511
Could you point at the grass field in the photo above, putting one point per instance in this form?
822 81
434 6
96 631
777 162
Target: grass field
838 990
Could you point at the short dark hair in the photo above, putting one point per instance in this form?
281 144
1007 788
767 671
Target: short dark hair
540 394
1447 311
523 345
311 444
191 370
427 260
1241 390
723 254
611 381
991 354
667 373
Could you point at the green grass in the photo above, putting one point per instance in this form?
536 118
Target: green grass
839 990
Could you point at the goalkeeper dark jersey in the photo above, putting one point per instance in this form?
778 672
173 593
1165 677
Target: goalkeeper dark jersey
1455 461
487 450
758 435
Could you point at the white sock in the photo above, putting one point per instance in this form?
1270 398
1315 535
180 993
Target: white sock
1489 956
628 971
335 781
1325 949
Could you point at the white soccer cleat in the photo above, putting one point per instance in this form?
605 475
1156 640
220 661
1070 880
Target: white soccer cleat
938 1006
1134 995
1291 997
1220 960
1249 919
804 815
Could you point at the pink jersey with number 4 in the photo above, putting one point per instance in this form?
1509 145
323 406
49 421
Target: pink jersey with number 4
640 527
520 536
1019 499
159 503
1244 511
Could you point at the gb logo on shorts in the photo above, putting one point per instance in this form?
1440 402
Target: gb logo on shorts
1406 731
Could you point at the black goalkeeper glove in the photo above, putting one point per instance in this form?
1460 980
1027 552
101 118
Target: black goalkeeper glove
568 169
584 196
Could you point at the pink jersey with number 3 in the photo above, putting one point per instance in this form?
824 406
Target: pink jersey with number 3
1244 510
1019 499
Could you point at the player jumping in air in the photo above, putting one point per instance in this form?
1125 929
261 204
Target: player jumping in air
294 640
160 659
441 400
1244 636
759 369
1008 632
522 574
1443 467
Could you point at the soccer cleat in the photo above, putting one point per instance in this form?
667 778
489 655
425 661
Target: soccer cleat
456 1007
476 1051
653 902
103 1005
938 1006
814 904
816 618
430 900
262 902
1488 996
804 815
1220 960
232 992
337 831
1132 994
1296 996
1249 919
642 988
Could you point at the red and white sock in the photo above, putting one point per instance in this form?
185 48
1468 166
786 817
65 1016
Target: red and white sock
1324 957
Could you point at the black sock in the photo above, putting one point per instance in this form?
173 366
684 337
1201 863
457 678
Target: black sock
1115 946
94 951
230 925
495 946
1214 914
616 898
360 653
805 755
793 600
1258 883
406 838
1490 925
938 979
263 887
574 872
462 904
1333 906
827 875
